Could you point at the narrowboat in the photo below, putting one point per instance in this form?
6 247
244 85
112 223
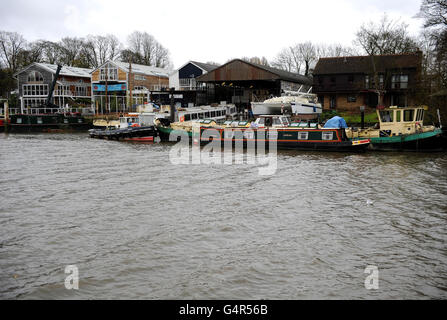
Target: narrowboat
47 122
288 135
401 129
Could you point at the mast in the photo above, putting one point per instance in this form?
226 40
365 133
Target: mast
130 102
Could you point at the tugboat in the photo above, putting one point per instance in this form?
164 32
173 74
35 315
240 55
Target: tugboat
288 135
401 129
138 127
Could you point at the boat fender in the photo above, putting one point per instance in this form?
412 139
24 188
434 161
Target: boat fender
419 127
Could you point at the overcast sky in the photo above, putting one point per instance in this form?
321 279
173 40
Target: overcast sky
206 30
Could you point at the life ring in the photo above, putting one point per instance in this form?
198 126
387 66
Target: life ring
135 125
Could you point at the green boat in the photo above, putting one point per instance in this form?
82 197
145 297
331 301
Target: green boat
401 129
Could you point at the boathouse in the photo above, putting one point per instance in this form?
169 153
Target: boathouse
114 82
346 83
242 82
188 92
73 87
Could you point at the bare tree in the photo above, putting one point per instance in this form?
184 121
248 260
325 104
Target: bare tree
308 55
99 49
434 12
70 49
11 46
146 50
257 60
386 37
285 60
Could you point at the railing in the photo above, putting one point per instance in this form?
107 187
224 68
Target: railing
159 87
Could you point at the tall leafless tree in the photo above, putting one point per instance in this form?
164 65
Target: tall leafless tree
11 46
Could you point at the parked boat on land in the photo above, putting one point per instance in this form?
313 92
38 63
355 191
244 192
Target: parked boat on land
288 135
401 129
294 103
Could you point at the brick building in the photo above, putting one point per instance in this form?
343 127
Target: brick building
346 83
114 82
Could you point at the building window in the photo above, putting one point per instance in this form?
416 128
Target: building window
352 98
109 72
140 88
33 103
399 81
35 76
81 91
35 90
138 77
370 81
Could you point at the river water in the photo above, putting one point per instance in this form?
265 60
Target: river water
139 227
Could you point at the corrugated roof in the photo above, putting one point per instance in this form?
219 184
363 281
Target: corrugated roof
142 69
284 75
363 64
281 74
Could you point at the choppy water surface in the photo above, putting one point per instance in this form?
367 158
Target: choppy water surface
139 227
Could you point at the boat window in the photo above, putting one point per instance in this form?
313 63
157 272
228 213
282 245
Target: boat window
408 115
39 120
19 120
268 122
328 135
201 115
261 121
213 113
187 117
285 121
207 114
227 122
295 124
422 115
386 116
398 112
303 135
276 121
194 116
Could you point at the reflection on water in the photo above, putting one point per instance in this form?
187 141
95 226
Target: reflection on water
139 227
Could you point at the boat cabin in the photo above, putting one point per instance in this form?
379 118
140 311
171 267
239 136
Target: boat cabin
396 121
198 113
137 120
272 121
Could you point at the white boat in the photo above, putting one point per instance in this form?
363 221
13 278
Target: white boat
296 103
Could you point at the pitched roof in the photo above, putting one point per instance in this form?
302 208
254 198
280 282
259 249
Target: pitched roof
205 66
65 71
142 69
363 64
281 74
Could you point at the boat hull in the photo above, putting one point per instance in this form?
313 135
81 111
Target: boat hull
260 108
135 134
287 139
47 123
432 141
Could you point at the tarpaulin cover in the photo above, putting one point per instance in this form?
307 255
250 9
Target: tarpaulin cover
336 123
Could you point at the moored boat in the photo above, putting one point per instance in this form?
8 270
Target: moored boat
288 135
401 129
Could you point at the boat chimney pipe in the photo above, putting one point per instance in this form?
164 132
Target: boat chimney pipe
362 114
172 109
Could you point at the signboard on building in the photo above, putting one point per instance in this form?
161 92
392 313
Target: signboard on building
112 87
